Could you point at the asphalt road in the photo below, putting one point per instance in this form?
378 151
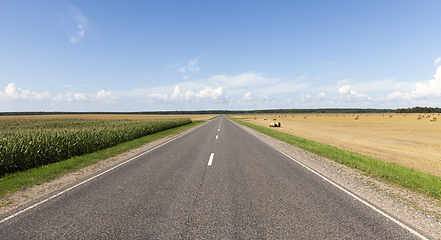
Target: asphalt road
250 191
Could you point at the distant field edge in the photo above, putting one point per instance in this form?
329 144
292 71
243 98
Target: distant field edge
14 182
214 117
414 180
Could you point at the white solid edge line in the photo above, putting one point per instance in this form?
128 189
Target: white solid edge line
90 179
352 194
210 161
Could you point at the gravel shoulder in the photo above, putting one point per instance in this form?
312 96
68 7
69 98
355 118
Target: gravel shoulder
416 210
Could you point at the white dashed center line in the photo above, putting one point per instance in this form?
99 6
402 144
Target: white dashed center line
211 159
217 136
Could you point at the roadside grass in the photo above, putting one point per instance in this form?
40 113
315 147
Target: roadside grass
418 181
11 183
214 117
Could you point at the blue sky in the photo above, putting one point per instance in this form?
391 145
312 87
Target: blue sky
194 55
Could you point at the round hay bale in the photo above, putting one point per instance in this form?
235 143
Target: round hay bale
272 124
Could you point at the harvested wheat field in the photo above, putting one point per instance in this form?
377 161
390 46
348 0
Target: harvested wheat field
111 116
407 140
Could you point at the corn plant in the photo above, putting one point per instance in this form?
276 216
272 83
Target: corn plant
26 144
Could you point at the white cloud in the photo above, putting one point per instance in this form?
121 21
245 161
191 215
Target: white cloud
102 97
271 102
206 95
247 97
103 94
176 93
106 97
284 87
215 95
350 95
235 85
257 83
247 88
438 61
69 97
191 67
12 93
265 98
305 98
242 80
63 97
431 89
384 85
81 23
399 96
321 96
344 90
80 97
309 98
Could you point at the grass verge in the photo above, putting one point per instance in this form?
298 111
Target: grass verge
214 117
11 183
418 181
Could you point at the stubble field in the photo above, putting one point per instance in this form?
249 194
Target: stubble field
404 140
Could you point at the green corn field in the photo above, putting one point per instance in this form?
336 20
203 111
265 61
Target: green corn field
29 143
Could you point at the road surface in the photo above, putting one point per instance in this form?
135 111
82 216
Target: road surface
215 182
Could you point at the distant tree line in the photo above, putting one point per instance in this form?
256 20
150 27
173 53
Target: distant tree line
267 111
419 110
322 110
